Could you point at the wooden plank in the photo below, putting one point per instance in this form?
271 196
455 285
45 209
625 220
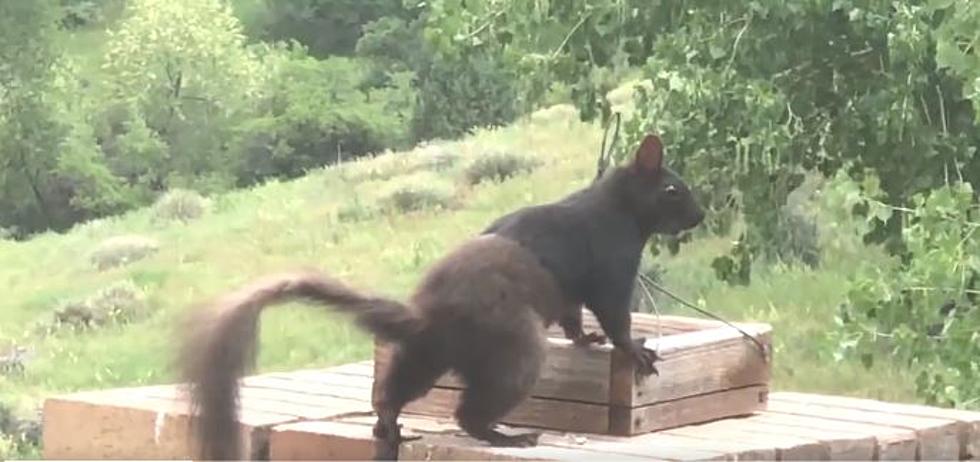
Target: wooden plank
128 426
533 412
570 373
327 386
151 422
968 421
743 431
280 403
651 446
695 363
644 324
318 440
939 439
840 445
890 443
735 449
685 411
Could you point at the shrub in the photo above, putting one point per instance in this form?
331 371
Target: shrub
456 95
418 192
499 166
326 27
355 211
797 234
425 157
555 114
412 198
119 303
316 114
798 237
180 205
17 432
120 250
13 360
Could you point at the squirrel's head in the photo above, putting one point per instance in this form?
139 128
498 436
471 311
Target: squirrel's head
661 201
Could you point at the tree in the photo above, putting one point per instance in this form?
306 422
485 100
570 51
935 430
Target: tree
325 27
180 78
51 173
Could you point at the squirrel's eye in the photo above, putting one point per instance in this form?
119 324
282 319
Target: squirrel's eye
671 190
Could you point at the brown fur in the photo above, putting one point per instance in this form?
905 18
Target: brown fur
479 310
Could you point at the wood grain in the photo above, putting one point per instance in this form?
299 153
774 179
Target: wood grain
968 421
126 425
685 411
695 363
533 412
890 443
354 441
742 431
939 439
570 373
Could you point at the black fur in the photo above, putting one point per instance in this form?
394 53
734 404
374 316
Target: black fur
592 241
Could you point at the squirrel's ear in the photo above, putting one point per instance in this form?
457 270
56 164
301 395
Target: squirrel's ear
650 155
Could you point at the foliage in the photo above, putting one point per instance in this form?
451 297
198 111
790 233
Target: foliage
923 308
181 70
315 113
80 13
325 27
956 44
456 92
51 173
750 95
753 96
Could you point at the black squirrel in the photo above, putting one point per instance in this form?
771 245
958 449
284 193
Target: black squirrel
481 310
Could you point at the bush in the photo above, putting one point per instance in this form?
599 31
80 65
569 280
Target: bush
798 238
457 95
17 432
120 250
418 193
425 157
119 303
797 235
318 113
180 205
82 13
499 166
326 27
13 360
355 211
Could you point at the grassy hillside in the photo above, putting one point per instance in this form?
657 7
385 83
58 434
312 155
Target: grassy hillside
344 220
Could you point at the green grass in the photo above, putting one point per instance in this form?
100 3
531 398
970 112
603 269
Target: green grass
285 225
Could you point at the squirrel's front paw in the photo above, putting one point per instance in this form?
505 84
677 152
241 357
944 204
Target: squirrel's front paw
643 359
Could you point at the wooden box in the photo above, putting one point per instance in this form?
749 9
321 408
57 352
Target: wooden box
708 371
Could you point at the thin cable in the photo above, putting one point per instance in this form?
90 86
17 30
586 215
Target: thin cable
656 311
762 348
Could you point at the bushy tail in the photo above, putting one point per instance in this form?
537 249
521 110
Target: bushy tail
220 346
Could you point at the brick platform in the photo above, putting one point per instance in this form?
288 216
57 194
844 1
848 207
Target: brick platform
325 414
